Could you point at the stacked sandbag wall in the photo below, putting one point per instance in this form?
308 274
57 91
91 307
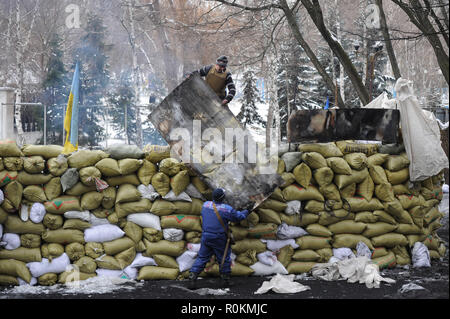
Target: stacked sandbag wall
137 213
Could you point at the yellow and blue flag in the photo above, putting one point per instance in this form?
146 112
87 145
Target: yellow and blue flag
71 118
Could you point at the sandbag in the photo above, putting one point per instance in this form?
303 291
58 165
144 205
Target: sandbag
330 192
358 204
63 204
57 166
69 179
339 165
108 262
295 192
179 182
129 165
157 273
409 202
241 246
291 160
53 188
156 153
293 207
170 166
347 147
323 176
314 160
94 250
123 179
351 240
13 192
347 227
366 188
30 240
121 151
46 151
268 216
33 164
9 148
52 221
109 167
325 149
116 246
302 174
75 251
274 205
173 234
348 191
76 224
385 192
376 159
389 240
357 161
161 183
86 264
398 177
378 228
185 222
318 230
263 230
15 225
103 233
299 267
146 172
387 261
153 235
288 178
127 193
79 189
313 242
91 200
357 177
145 220
162 207
6 177
89 174
63 236
85 158
164 247
396 210
396 162
23 254
306 255
15 268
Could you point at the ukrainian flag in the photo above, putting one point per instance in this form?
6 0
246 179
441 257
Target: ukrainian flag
71 118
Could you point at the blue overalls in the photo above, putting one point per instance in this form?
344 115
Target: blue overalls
214 238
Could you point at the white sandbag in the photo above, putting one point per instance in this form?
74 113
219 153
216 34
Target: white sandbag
193 247
84 215
186 260
173 234
286 231
276 245
24 213
12 241
444 190
148 192
293 207
193 192
102 233
363 250
22 282
420 255
2 197
343 253
170 196
145 220
95 221
266 270
37 213
141 261
57 265
267 258
126 273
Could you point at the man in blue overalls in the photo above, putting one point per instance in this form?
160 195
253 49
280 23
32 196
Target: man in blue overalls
214 236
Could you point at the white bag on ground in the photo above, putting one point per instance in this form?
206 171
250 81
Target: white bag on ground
12 241
170 196
275 245
22 282
148 192
141 261
267 258
102 233
286 231
145 220
282 285
266 270
173 234
363 250
293 207
186 260
84 215
37 213
343 253
193 247
420 255
57 265
126 273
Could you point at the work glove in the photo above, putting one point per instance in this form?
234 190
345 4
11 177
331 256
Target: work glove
225 102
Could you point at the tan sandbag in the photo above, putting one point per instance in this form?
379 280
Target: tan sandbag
109 167
285 254
314 206
378 228
157 273
263 230
13 163
161 183
109 197
348 191
53 188
79 189
46 151
376 159
241 246
13 191
185 222
396 210
379 252
417 213
401 255
124 209
323 176
57 167
15 225
268 216
357 161
108 262
401 189
129 165
408 229
91 200
26 255
382 216
7 176
8 207
193 237
151 234
347 227
325 149
180 182
247 258
133 231
94 250
15 268
274 205
299 267
389 240
302 174
63 204
86 265
366 188
299 220
277 195
156 153
357 177
318 230
165 261
33 164
33 179
281 168
330 192
170 166
9 148
351 240
146 172
305 255
313 242
123 179
325 254
251 220
409 202
75 251
378 174
359 204
288 178
238 232
385 192
398 177
387 261
116 246
30 240
85 158
52 221
63 236
165 247
2 167
295 192
314 160
72 276
6 280
89 174
339 165
75 223
127 193
396 162
432 215
327 218
162 207
436 193
347 147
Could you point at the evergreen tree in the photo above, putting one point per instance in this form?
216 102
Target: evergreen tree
248 114
94 81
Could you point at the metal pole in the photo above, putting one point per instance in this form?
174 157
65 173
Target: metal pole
45 124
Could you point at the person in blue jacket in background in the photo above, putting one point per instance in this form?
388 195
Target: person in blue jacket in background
214 237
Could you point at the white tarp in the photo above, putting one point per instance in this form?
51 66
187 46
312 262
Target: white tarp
282 284
420 130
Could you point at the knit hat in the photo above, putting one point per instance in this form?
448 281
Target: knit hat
218 194
222 61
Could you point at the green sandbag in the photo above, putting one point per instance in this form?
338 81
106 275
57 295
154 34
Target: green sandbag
109 197
33 179
89 174
409 202
152 235
251 220
323 176
366 188
71 276
401 255
314 160
264 231
63 204
7 177
268 216
398 177
378 174
295 192
376 159
126 257
302 174
185 222
133 231
288 178
357 161
241 246
91 200
109 167
408 229
299 267
306 255
162 207
129 165
156 153
94 250
389 240
63 236
359 204
169 166
146 172
351 240
86 264
125 209
165 261
299 220
33 164
118 245
348 191
161 183
13 191
157 273
387 261
53 188
357 177
48 279
26 255
396 162
247 258
108 262
122 151
2 167
9 148
57 167
285 254
379 228
34 193
15 268
281 168
274 205
52 221
13 163
327 218
385 192
325 149
347 147
75 223
318 230
339 165
330 192
30 240
165 247
325 254
396 210
313 242
75 251
15 225
123 179
46 151
180 182
6 280
127 193
347 227
239 232
85 158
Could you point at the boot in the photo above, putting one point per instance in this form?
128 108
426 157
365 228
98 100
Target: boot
225 280
192 280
